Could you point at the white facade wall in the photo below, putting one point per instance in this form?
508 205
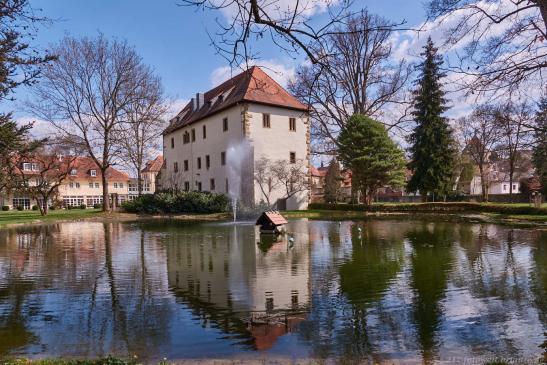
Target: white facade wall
496 187
245 142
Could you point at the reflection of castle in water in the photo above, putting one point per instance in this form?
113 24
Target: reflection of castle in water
258 284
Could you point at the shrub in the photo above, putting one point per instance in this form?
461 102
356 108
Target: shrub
83 206
181 202
52 207
20 207
35 207
69 207
5 208
97 206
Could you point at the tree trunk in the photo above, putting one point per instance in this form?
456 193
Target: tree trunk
139 183
106 200
484 188
511 186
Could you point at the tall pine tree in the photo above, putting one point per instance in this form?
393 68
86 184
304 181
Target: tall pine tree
539 156
432 146
333 178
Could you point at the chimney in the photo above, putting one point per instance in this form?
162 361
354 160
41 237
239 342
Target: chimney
194 104
200 100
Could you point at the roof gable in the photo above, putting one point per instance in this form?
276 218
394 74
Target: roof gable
252 85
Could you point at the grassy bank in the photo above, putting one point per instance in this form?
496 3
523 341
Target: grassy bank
516 214
32 216
458 207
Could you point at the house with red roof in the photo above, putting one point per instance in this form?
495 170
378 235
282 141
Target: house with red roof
82 185
149 176
213 143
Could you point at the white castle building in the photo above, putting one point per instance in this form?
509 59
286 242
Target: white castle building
213 144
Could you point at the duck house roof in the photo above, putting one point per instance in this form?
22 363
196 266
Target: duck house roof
272 217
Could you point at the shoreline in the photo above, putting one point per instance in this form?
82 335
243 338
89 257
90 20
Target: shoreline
524 221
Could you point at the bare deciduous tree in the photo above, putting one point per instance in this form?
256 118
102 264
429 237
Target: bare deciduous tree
264 177
506 41
512 120
85 93
49 166
290 178
480 133
140 133
362 78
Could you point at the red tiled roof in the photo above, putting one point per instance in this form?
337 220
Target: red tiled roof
252 85
154 165
319 172
82 165
274 217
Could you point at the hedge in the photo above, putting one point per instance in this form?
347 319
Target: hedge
181 202
456 207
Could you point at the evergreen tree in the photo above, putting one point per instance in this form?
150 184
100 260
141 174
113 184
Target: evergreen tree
539 157
374 159
332 182
18 66
432 146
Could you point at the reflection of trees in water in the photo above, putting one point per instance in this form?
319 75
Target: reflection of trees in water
341 324
431 262
539 283
71 278
16 287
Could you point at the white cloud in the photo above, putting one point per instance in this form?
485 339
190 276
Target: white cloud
278 9
40 128
280 71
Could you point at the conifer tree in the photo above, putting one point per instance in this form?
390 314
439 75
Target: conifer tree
374 158
332 182
539 156
432 146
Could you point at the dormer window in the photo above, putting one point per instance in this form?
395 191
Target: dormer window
220 98
93 173
73 172
34 167
27 166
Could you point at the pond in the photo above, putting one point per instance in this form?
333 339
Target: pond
375 290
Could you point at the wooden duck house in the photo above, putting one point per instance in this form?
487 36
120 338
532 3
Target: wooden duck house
271 222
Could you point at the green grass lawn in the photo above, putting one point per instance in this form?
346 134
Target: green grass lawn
28 216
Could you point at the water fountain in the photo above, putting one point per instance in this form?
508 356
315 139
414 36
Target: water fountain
237 154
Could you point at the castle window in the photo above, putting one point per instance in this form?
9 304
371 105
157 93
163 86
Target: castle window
186 137
186 186
185 165
292 157
292 124
172 142
204 132
199 163
224 124
266 121
93 173
193 135
207 162
212 184
176 167
223 158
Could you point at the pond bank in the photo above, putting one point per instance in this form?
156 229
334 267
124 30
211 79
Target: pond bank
538 221
14 218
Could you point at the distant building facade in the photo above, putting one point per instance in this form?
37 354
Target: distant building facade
215 141
83 185
149 177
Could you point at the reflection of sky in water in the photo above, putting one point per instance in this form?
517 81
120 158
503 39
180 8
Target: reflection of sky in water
371 290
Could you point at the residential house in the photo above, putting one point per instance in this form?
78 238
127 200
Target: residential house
215 140
497 175
82 185
149 175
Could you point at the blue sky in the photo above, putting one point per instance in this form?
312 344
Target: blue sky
171 38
